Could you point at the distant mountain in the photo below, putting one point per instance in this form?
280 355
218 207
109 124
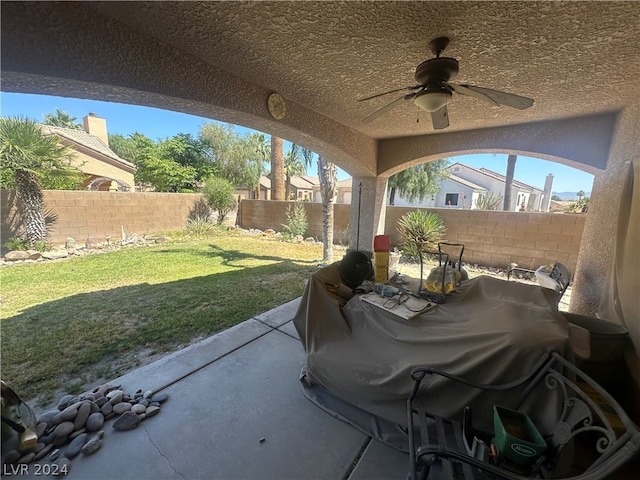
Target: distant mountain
564 196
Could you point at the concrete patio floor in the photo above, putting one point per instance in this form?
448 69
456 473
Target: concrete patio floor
236 411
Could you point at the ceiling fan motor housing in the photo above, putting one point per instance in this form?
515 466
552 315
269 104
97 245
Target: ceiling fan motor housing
436 70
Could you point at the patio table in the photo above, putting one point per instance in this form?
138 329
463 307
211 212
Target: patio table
489 330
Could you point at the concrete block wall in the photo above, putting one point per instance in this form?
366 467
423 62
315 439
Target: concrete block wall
89 214
499 238
490 238
262 214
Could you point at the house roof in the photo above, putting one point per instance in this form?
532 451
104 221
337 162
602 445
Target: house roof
304 182
466 183
310 179
89 141
517 183
495 175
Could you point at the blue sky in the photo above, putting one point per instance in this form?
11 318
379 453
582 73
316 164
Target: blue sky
160 124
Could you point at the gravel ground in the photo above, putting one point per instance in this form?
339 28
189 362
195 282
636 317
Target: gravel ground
413 270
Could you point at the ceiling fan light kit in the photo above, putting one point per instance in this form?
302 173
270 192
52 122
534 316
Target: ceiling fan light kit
432 101
434 92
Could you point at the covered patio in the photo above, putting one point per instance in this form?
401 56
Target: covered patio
224 60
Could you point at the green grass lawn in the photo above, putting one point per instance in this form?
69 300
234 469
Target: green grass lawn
66 325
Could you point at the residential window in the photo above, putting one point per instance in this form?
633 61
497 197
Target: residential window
451 199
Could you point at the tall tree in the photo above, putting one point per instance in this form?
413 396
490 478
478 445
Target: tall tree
28 152
228 152
188 151
417 182
277 168
61 119
328 175
258 155
508 182
293 166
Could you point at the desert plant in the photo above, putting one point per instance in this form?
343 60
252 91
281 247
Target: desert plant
28 152
16 243
42 246
297 221
488 201
200 209
421 230
199 226
219 195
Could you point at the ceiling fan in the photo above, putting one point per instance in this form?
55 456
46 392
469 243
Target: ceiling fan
434 91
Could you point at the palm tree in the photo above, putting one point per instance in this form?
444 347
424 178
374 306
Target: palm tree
61 119
277 168
293 166
28 152
328 175
511 168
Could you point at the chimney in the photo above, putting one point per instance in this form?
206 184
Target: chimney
96 126
548 188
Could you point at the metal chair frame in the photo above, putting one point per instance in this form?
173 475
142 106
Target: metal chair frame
559 273
437 441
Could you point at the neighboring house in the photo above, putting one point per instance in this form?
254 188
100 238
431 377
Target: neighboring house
343 192
104 170
245 193
454 192
467 184
302 189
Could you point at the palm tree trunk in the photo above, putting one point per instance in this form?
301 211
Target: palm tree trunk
327 173
277 168
31 206
327 232
392 196
511 167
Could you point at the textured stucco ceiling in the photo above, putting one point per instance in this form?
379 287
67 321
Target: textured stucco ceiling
573 58
221 59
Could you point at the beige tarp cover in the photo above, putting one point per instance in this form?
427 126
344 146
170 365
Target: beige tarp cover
489 331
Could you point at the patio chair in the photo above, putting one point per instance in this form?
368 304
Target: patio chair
451 449
558 279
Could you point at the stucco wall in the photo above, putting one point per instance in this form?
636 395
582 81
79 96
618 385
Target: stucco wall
490 238
84 214
91 166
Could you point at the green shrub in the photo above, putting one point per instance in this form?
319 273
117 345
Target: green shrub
219 195
420 231
297 221
42 246
16 243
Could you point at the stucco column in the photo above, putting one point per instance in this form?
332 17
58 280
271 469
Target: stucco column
599 235
368 207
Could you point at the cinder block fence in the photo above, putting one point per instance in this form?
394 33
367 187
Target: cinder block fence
490 238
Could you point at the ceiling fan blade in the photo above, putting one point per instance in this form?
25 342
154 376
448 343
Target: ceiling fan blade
385 109
414 87
495 97
440 118
465 90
